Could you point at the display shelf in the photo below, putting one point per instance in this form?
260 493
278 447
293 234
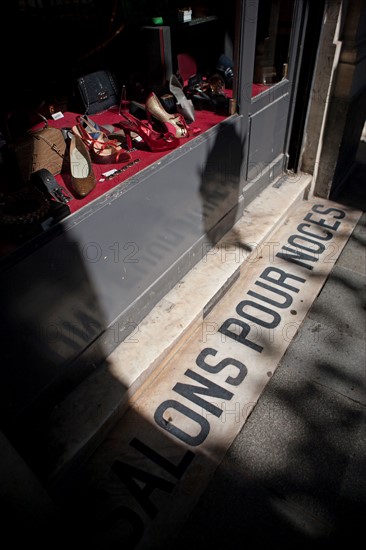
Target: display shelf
79 208
204 121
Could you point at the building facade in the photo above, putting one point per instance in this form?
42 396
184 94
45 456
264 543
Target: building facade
295 102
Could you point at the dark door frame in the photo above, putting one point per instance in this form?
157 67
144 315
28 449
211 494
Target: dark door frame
309 47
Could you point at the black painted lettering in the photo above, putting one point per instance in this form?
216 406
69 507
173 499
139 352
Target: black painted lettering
283 305
282 277
209 388
242 336
168 426
317 249
295 256
327 235
128 474
214 369
176 470
322 222
276 317
318 208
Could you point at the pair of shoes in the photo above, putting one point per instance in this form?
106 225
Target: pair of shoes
103 150
96 129
174 123
82 176
156 141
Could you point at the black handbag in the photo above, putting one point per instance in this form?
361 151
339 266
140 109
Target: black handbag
98 92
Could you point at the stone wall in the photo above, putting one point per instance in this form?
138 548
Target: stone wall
337 108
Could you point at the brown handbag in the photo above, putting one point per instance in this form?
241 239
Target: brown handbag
41 148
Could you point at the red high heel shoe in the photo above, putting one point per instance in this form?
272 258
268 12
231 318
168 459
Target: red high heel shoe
102 150
174 123
156 141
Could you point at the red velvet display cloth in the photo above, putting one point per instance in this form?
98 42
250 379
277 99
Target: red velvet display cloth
204 121
258 89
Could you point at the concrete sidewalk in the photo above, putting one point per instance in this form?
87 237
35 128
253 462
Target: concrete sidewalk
295 475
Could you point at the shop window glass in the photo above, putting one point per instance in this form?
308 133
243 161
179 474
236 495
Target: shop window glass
143 44
272 43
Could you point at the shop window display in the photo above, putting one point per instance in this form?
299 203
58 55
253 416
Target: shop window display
148 117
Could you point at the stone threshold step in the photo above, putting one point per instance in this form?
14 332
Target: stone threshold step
77 425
